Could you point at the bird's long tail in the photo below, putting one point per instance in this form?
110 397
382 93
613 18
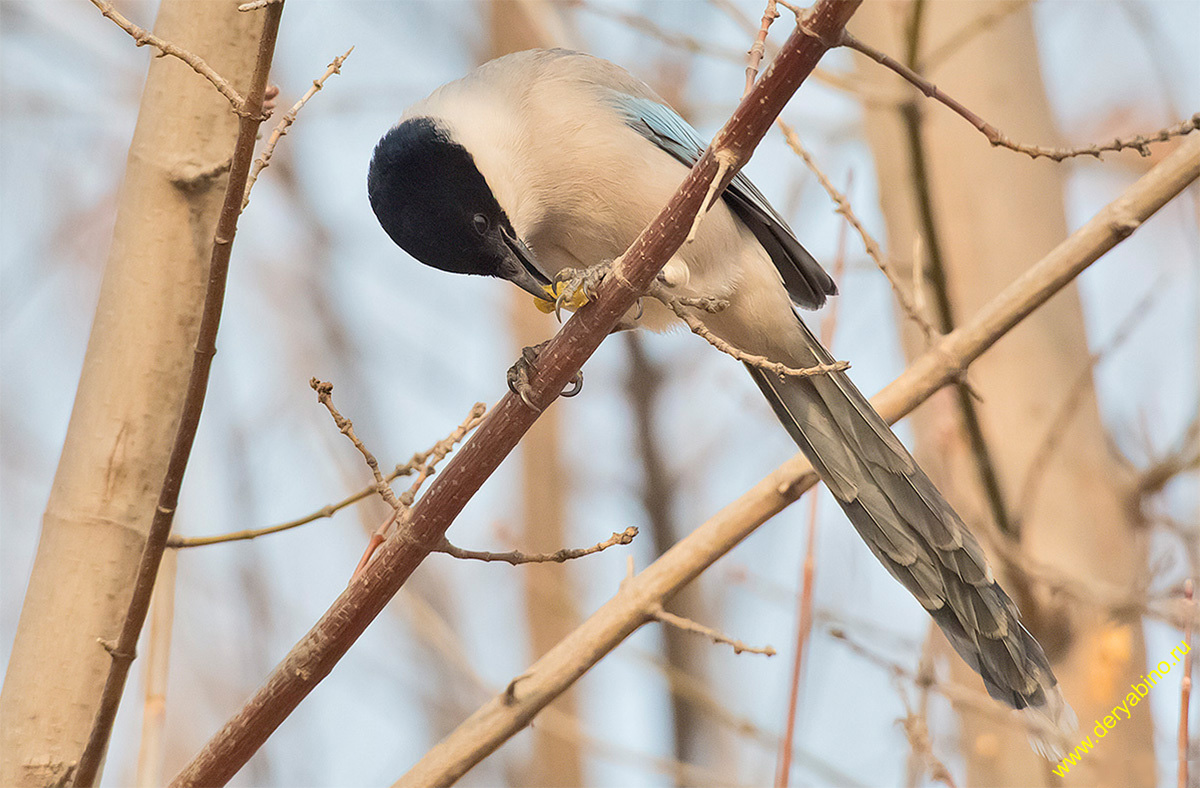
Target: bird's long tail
917 536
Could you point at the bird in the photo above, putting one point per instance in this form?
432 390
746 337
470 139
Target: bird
550 162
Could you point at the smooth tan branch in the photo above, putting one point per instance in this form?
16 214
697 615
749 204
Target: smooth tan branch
516 557
660 615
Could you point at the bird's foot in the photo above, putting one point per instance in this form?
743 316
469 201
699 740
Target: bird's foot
521 373
574 287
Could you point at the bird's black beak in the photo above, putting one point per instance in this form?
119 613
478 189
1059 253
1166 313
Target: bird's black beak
521 267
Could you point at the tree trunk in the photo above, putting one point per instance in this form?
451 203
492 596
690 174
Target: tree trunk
983 215
127 406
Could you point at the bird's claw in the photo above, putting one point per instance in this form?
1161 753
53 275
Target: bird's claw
574 287
520 373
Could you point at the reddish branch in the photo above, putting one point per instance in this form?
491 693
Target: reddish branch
758 48
1138 142
318 651
1185 686
250 115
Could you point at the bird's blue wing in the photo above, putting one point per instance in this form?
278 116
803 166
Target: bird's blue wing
806 282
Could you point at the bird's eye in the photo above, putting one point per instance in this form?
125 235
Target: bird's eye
481 223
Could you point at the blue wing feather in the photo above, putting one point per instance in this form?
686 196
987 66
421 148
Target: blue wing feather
807 283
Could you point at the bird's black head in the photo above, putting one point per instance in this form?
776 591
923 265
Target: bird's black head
433 202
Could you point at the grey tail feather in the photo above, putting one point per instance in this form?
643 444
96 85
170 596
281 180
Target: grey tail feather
912 530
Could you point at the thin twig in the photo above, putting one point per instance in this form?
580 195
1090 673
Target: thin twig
869 243
264 159
680 306
346 427
516 557
916 730
418 461
1139 142
180 542
839 80
660 615
1185 686
959 695
758 48
142 37
400 505
250 117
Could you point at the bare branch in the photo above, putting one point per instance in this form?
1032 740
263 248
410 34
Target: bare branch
264 159
916 726
425 469
257 4
1139 142
869 243
516 557
1185 458
250 117
418 461
325 396
142 37
660 615
758 48
680 306
960 696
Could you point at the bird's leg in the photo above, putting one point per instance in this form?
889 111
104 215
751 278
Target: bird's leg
520 374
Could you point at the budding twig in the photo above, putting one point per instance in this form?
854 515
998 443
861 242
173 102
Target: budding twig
516 557
346 427
758 48
1139 142
660 615
872 247
143 37
264 160
680 306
